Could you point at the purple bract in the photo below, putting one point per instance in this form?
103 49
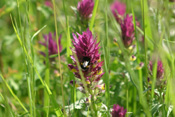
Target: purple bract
85 8
160 70
118 9
52 45
127 28
118 111
86 49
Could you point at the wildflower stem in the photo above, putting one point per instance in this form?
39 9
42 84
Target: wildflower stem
68 45
47 80
106 57
127 99
59 60
87 90
93 103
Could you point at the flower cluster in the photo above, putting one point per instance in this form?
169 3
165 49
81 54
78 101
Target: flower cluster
118 111
126 22
118 9
51 44
85 8
127 28
87 51
160 70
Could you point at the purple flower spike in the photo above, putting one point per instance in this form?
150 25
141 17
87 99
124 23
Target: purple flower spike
118 9
86 49
85 8
127 28
52 45
49 3
118 111
160 70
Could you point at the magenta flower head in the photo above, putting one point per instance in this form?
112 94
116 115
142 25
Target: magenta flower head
118 111
160 69
49 3
86 49
52 45
127 28
85 8
118 9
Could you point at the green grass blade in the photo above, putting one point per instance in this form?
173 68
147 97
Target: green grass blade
146 19
25 51
69 52
93 15
8 109
35 34
106 52
146 28
154 79
68 43
13 94
47 80
58 111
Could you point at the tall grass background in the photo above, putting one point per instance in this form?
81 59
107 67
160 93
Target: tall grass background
29 85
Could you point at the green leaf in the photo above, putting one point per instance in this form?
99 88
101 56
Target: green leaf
170 109
155 108
34 35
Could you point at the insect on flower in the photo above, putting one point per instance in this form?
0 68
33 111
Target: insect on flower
85 64
87 50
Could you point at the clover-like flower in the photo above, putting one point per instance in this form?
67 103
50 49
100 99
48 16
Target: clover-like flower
52 45
118 9
160 69
118 111
48 3
127 28
86 49
85 8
